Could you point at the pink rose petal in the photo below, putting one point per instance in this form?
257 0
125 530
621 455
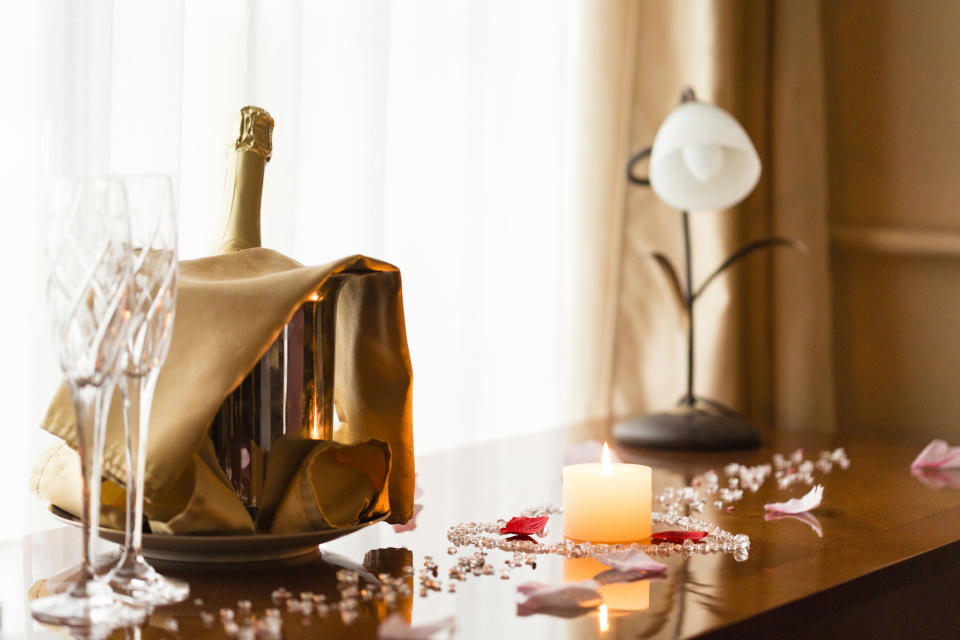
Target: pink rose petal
396 628
587 451
807 518
410 524
798 505
632 561
938 455
564 599
937 479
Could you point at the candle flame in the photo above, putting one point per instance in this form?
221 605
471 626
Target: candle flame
315 427
605 460
604 623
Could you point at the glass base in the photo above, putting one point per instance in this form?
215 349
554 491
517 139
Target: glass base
137 580
90 604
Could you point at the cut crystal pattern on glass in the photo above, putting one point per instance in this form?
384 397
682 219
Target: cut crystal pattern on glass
86 288
153 293
87 297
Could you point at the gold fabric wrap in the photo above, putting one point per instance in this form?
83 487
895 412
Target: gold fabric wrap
230 309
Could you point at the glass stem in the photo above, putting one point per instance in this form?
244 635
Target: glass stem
87 403
128 429
148 384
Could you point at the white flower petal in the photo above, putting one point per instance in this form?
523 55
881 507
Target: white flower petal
798 505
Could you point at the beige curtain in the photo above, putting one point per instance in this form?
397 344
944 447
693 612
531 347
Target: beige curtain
763 330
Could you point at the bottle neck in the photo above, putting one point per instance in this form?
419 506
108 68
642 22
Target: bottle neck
243 191
251 148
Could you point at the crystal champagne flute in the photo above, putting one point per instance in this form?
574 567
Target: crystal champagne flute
153 229
87 293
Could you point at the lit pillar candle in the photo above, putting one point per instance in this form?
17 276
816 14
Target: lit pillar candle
604 502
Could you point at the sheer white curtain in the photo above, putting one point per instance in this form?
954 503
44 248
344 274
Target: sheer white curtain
446 137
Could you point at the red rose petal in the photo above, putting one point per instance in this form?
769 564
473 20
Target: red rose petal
525 526
678 537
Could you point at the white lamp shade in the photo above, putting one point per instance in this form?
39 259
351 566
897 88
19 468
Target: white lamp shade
702 159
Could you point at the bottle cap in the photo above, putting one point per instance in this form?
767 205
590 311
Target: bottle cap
253 128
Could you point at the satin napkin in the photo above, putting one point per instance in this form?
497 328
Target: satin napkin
230 309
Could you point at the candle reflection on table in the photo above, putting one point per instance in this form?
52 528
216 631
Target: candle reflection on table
602 617
620 596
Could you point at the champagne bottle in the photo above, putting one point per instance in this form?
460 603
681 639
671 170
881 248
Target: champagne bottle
289 392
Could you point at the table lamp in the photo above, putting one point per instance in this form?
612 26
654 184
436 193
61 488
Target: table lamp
701 160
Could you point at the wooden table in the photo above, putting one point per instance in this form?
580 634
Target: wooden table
888 564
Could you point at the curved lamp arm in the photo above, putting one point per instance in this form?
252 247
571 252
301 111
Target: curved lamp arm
746 250
666 266
688 95
635 159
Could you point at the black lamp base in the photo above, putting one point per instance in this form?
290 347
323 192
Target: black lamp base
702 427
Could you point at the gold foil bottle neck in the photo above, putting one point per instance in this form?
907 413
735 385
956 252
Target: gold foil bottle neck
250 148
253 128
